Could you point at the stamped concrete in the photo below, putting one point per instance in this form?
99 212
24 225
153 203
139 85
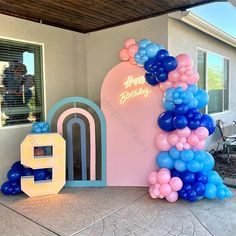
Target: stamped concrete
114 211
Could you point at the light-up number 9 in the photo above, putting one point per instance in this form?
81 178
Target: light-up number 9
56 162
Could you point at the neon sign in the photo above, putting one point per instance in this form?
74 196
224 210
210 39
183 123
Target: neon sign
134 87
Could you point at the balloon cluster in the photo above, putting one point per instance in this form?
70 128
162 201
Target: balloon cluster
190 160
158 68
193 119
128 52
183 75
146 50
13 185
201 184
182 139
40 127
162 185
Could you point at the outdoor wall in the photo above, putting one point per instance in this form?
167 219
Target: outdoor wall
65 74
103 48
183 38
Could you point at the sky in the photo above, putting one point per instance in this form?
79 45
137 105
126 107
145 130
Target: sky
220 14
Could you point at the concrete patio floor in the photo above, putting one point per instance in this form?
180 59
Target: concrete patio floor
114 211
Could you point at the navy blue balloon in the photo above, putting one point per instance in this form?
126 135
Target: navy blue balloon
165 121
27 172
180 122
175 173
14 175
162 77
180 109
201 177
188 177
208 122
7 188
40 174
16 189
151 79
187 187
196 116
183 194
161 54
17 166
199 188
169 63
160 69
148 65
193 124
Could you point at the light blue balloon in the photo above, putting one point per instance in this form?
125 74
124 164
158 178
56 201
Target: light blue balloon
144 42
199 156
192 88
188 97
210 191
169 106
163 160
220 193
193 103
228 193
151 50
169 94
160 46
145 58
187 155
178 101
174 153
175 95
137 57
180 165
202 98
213 177
208 162
193 166
142 51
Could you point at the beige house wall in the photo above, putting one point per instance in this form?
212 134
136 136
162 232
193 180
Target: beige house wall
65 74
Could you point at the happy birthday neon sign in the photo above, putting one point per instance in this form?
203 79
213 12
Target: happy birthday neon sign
134 87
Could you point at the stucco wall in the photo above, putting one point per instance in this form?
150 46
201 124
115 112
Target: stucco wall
103 48
65 74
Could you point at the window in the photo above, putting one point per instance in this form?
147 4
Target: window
213 70
21 82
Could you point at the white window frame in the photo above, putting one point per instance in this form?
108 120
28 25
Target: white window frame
206 77
43 80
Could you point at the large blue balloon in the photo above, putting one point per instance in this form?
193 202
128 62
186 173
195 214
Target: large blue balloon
201 177
152 49
169 63
210 191
180 109
188 177
151 79
199 188
7 188
17 166
14 175
149 64
27 172
208 122
40 174
208 162
161 54
165 121
16 189
163 160
180 122
180 165
202 98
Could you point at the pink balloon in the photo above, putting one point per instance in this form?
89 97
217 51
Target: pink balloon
183 140
189 72
193 139
193 79
163 177
152 178
181 84
165 189
187 146
180 146
184 60
161 196
200 145
157 185
202 132
132 60
164 169
173 76
176 184
182 70
153 195
165 85
156 191
173 139
129 42
161 142
183 78
183 132
173 197
124 54
132 50
151 188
